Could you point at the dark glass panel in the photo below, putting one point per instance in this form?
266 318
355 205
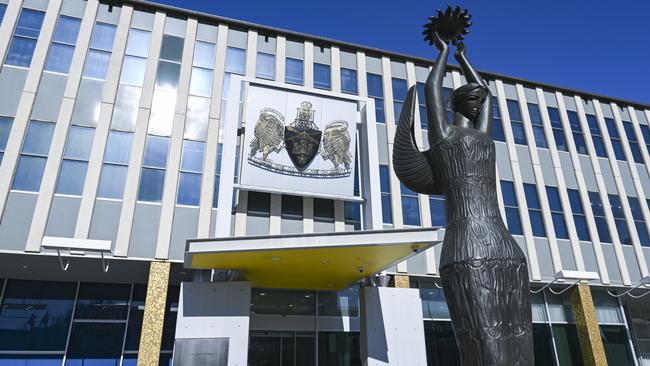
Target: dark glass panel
339 303
136 315
440 344
291 207
616 345
339 349
543 345
171 312
566 344
95 344
259 204
102 301
323 210
283 302
35 315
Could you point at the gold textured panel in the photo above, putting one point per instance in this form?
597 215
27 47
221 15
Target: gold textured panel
402 281
584 313
154 314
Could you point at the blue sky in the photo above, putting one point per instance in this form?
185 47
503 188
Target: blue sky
595 46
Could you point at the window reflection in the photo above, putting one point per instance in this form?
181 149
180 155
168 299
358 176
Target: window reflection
102 301
283 302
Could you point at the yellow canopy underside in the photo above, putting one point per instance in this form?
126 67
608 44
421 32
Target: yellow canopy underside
331 268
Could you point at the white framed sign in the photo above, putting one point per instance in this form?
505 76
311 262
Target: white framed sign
298 142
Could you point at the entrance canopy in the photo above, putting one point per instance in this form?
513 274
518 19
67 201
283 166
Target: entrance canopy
332 261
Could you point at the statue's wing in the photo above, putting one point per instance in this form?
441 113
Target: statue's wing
410 164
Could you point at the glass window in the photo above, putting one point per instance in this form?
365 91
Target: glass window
534 210
62 48
517 122
155 152
5 130
118 147
189 185
557 213
97 64
75 160
349 81
95 344
259 204
424 120
410 206
384 178
294 71
578 137
334 348
399 95
3 8
599 216
438 211
645 132
292 207
102 301
103 37
322 76
538 127
633 142
616 344
23 43
215 193
614 138
566 344
172 48
265 66
80 141
167 75
35 315
323 210
579 217
133 69
558 130
151 185
201 82
440 344
619 219
283 302
497 123
446 92
235 60
138 43
116 159
376 91
352 215
596 136
31 164
339 303
511 207
204 55
639 222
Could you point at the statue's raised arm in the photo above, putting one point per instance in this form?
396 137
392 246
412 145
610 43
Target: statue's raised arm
435 100
484 119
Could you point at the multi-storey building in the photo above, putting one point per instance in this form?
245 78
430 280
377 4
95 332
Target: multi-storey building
114 128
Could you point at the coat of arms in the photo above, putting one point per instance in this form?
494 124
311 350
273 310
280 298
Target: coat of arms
302 140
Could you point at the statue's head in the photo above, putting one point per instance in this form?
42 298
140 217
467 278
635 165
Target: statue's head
467 100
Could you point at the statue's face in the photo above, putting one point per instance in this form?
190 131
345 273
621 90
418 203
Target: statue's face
470 106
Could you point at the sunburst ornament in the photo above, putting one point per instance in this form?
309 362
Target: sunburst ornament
451 25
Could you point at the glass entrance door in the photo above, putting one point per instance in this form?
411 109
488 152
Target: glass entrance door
281 349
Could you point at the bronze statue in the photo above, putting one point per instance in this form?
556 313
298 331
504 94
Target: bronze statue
484 272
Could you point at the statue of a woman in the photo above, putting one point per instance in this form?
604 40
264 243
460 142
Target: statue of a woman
483 270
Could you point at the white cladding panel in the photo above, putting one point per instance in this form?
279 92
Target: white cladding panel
269 112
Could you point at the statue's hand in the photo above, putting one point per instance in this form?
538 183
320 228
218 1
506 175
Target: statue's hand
460 50
440 44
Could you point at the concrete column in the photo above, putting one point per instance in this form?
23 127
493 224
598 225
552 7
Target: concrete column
584 313
213 324
154 314
392 329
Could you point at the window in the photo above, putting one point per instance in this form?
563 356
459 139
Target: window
645 131
3 8
511 207
323 210
322 76
235 60
189 182
5 129
578 137
599 216
424 118
639 222
410 206
33 156
152 177
558 130
579 217
215 195
201 82
438 211
169 65
596 136
386 211
352 217
292 207
538 127
516 122
497 122
614 138
23 43
619 219
376 91
259 204
294 71
75 160
135 59
99 54
116 161
557 213
399 95
63 42
633 142
446 92
265 66
534 210
349 81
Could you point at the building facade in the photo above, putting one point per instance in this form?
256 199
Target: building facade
112 121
